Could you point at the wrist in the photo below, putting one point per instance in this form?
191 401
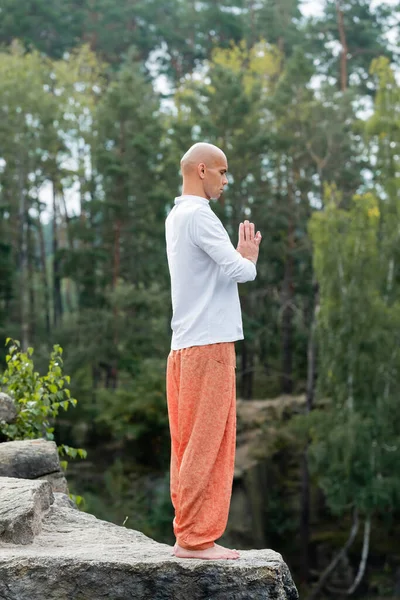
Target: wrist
242 254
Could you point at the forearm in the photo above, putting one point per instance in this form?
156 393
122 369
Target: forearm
245 271
210 236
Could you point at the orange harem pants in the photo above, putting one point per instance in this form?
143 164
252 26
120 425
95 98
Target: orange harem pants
201 395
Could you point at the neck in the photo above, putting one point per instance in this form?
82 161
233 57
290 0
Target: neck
191 189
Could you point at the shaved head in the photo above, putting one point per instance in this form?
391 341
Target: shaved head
204 167
201 153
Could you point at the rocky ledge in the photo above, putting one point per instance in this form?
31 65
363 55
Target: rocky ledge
33 459
49 550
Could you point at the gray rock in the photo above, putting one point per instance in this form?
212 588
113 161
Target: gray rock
32 459
64 501
58 482
8 411
28 459
78 557
23 504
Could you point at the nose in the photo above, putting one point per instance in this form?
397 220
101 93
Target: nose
225 181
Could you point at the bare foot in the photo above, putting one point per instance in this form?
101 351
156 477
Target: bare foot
216 552
217 545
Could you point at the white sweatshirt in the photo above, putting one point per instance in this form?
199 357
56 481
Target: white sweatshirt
205 269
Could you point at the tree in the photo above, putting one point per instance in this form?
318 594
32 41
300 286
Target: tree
38 399
125 238
279 22
359 31
28 136
355 441
52 28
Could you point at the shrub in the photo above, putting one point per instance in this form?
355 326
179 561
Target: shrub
38 398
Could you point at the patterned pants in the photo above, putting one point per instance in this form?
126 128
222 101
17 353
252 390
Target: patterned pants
201 397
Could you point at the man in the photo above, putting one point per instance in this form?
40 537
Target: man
205 269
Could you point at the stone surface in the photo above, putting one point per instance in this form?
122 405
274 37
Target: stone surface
57 481
23 504
64 501
32 459
78 557
8 411
261 472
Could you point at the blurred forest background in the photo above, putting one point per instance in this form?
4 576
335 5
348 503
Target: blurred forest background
99 99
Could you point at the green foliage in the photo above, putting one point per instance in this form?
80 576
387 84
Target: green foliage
136 413
52 28
38 398
78 500
365 25
355 448
278 21
109 144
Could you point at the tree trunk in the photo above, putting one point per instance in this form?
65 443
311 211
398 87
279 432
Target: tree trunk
68 236
82 180
112 372
67 222
364 558
287 304
116 253
93 17
57 307
247 356
305 517
247 371
252 22
23 260
343 42
263 353
332 566
31 271
312 352
305 478
361 568
45 282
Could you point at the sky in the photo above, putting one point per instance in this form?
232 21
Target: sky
314 7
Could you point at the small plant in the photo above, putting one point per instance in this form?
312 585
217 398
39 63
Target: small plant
38 398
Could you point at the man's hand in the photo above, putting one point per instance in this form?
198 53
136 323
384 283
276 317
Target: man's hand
249 243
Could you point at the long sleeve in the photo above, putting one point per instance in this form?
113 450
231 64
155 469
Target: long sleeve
210 235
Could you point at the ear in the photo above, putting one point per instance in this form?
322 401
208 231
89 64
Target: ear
201 169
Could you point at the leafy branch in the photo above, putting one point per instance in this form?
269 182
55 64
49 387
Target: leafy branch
38 398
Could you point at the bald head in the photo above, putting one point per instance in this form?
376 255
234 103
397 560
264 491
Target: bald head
204 168
201 153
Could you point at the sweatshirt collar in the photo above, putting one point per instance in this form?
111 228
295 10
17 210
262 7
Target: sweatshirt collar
197 199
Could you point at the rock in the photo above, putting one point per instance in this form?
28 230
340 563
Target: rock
253 416
23 504
64 501
28 459
58 482
78 557
267 468
32 459
8 411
